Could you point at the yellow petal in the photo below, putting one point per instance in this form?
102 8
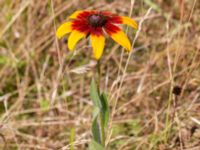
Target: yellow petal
130 22
75 14
121 38
64 29
74 37
98 43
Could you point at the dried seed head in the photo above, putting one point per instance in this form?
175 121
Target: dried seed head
177 90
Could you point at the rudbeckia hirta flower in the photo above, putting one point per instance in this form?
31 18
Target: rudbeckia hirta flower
95 24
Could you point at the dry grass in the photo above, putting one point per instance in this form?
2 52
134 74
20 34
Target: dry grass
44 89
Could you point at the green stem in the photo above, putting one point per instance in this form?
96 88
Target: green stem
99 74
101 117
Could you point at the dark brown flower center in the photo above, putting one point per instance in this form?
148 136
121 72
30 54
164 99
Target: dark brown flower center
97 20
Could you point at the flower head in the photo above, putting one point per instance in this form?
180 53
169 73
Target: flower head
95 24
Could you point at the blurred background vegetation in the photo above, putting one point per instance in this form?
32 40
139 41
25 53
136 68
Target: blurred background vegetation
44 89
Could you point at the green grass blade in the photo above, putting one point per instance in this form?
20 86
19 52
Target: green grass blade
72 137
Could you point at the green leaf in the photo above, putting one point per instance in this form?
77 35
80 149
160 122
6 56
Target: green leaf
95 112
95 146
105 109
94 94
96 130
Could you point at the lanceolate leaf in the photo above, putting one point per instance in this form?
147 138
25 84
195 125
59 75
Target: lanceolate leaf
96 130
95 146
105 109
95 112
94 93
